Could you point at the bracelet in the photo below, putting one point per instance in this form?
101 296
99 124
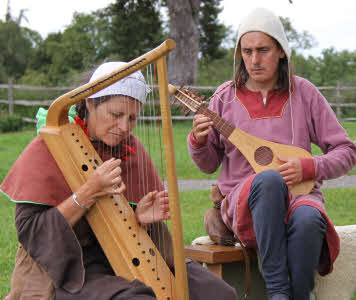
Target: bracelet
74 197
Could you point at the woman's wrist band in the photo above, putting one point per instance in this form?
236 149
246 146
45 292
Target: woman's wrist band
74 197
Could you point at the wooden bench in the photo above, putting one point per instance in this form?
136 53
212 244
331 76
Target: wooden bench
227 262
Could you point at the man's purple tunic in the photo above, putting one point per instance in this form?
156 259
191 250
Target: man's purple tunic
300 120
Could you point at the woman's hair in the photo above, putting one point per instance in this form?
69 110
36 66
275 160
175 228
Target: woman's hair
285 72
81 108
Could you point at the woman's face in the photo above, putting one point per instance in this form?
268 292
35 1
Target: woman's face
112 120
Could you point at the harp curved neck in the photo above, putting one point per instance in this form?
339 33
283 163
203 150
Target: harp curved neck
58 111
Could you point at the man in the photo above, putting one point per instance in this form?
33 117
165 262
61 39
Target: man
293 234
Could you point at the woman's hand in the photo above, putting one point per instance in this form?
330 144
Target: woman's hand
291 170
106 179
201 127
153 207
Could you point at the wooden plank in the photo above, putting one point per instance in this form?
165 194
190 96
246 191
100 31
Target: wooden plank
213 254
217 269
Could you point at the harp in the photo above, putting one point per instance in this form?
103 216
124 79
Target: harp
129 249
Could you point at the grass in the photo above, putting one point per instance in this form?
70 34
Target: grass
12 144
340 203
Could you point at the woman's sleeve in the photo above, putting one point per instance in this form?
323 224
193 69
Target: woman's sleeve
52 243
327 133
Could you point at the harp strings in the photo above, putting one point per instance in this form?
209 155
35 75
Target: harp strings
148 132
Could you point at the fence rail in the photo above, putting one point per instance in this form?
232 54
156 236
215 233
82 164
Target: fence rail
11 102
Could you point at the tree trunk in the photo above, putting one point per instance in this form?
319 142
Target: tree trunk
183 26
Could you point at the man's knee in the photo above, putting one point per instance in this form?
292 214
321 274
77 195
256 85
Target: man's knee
268 186
307 219
269 179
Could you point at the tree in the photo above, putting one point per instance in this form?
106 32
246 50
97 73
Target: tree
183 28
336 66
297 41
194 25
135 27
211 31
62 55
17 46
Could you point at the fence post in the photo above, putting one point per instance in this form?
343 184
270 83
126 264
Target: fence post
10 96
338 100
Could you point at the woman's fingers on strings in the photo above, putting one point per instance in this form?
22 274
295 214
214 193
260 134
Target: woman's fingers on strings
114 190
121 188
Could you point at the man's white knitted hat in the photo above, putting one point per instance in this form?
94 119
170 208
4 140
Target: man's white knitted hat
133 85
263 20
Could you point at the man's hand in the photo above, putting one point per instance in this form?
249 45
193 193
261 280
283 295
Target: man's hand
291 170
201 127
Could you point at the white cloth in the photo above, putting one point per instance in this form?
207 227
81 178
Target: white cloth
262 19
133 85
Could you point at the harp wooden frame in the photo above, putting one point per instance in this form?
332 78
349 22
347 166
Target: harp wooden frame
126 244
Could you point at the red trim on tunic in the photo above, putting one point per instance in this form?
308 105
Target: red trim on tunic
245 231
193 141
253 103
308 168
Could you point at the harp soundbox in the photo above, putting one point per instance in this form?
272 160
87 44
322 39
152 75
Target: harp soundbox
112 219
261 154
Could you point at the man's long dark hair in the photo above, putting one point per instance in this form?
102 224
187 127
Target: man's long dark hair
285 73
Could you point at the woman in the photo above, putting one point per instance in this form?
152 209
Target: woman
59 256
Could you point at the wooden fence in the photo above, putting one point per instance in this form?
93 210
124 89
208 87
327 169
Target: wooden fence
11 102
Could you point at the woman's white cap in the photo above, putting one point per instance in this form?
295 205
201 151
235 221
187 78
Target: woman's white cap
262 19
133 85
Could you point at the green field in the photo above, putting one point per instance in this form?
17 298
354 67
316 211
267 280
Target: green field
340 203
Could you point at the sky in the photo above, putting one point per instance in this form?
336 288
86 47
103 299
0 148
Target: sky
332 23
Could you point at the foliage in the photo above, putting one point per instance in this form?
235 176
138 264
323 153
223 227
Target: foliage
215 72
135 27
11 123
212 32
13 57
297 40
61 55
127 28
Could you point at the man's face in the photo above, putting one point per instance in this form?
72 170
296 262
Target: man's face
261 56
